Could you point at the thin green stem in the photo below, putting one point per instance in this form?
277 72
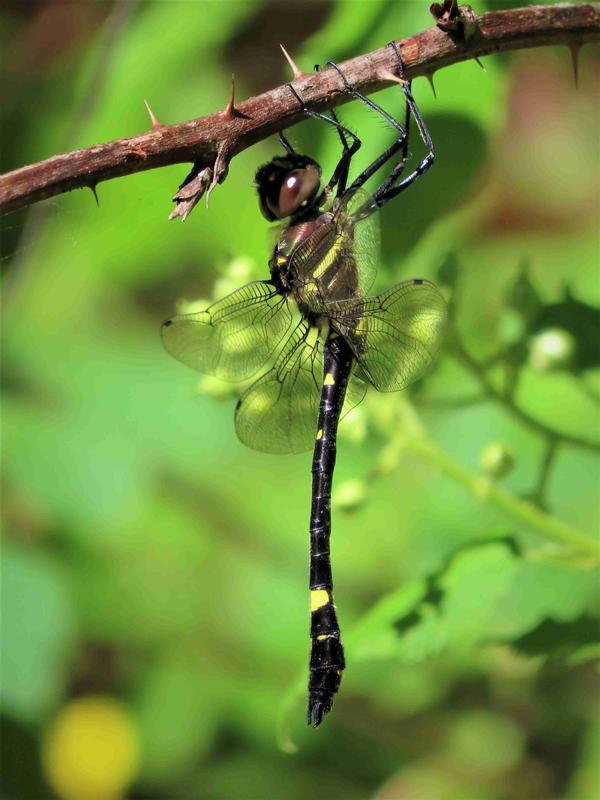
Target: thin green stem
487 490
539 495
409 434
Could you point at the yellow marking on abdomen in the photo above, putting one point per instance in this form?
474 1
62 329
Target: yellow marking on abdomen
281 260
318 598
322 636
329 380
319 434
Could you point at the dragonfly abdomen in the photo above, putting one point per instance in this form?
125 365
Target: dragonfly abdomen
327 653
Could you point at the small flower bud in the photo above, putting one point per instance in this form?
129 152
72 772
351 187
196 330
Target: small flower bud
497 460
552 349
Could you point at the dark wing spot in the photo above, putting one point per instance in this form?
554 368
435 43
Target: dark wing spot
418 281
167 323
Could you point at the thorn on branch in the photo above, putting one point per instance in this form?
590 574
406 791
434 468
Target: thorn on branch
151 114
95 193
230 111
385 75
297 72
432 84
574 51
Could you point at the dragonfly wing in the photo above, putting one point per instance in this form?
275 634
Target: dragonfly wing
235 336
278 412
355 393
394 335
363 235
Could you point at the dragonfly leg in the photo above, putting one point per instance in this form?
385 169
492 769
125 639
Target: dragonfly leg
285 144
335 118
340 173
327 653
390 189
401 143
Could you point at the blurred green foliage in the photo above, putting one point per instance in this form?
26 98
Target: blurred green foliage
151 561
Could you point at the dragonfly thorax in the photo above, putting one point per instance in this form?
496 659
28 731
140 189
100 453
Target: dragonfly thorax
287 260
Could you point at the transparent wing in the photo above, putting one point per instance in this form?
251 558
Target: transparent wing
394 335
278 413
339 259
366 237
235 336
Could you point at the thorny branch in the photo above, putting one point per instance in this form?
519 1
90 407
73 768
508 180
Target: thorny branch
210 142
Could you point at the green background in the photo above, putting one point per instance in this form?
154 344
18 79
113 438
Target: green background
150 558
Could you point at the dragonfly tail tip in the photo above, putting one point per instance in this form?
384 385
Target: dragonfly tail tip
318 706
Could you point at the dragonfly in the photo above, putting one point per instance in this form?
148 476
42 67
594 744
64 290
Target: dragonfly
319 336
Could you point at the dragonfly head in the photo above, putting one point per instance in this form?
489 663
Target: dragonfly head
287 185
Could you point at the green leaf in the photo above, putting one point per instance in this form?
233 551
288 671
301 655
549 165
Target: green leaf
536 590
374 636
488 594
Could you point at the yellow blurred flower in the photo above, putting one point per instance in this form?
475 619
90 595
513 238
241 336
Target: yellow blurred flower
91 750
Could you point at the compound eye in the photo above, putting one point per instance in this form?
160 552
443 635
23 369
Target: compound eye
299 186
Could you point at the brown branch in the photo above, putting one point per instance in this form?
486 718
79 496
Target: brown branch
231 131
